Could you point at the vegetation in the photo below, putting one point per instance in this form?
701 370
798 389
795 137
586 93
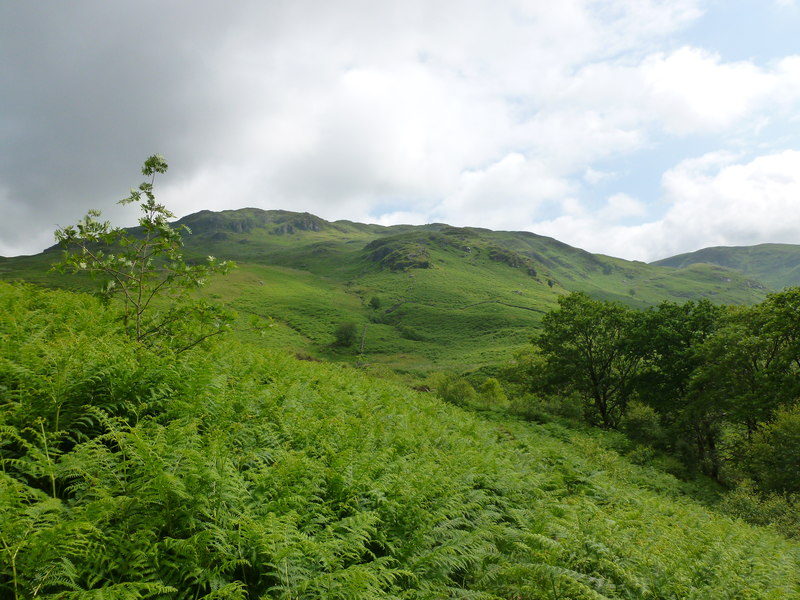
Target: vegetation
130 468
717 387
145 271
346 334
589 350
459 299
776 265
230 472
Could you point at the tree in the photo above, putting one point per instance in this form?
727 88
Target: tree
346 334
773 459
586 345
145 273
750 364
454 389
492 394
670 337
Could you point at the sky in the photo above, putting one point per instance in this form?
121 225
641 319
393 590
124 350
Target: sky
635 128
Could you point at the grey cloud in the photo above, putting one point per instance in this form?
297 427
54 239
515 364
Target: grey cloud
348 109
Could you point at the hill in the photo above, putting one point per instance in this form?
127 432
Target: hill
232 472
776 265
422 297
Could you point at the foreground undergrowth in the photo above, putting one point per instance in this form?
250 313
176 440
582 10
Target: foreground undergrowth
229 472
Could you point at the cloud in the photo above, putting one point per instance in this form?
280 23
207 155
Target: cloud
498 115
506 194
735 203
692 90
716 198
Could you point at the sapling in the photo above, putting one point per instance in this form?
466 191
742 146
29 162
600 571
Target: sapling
144 271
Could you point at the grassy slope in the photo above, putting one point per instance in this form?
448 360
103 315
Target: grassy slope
777 265
475 305
481 297
246 468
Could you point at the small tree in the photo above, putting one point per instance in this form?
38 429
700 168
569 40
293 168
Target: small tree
145 273
774 457
454 389
345 334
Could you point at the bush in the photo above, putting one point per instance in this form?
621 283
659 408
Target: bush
774 458
642 424
455 390
345 334
543 409
492 394
776 510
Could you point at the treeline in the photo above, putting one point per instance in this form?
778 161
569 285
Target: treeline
715 386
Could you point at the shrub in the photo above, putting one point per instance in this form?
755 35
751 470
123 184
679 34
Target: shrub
455 390
641 424
345 334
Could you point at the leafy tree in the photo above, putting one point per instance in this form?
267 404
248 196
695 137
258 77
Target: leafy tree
455 390
145 273
346 334
748 373
587 346
670 336
749 366
774 457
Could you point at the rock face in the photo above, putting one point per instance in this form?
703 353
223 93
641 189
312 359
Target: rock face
399 254
277 222
512 259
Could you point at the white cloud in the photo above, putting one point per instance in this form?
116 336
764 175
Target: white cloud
622 206
713 200
694 91
506 194
735 203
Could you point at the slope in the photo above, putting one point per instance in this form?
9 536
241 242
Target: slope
422 297
776 265
238 473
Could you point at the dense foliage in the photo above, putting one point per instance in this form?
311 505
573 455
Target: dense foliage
718 387
228 472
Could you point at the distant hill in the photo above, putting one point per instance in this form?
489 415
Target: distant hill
423 297
776 265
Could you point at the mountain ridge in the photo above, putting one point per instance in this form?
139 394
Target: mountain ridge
422 296
776 265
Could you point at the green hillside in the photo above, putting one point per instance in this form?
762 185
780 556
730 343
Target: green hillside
776 265
233 472
422 297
